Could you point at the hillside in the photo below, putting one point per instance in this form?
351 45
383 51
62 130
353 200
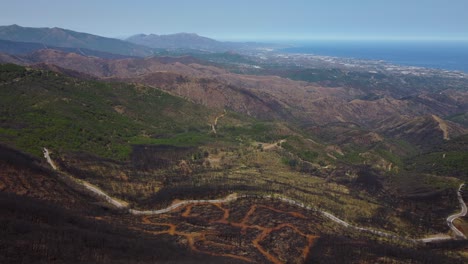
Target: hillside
448 158
178 41
195 43
233 132
39 230
58 37
308 103
42 108
151 149
400 123
7 58
424 131
47 218
383 131
183 76
22 48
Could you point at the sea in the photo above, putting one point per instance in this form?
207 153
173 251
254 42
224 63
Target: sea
446 55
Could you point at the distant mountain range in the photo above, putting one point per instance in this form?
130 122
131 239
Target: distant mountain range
418 119
261 96
175 41
155 119
58 37
194 42
15 39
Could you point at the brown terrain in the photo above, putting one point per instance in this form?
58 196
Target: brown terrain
247 230
423 131
252 231
353 139
25 175
265 97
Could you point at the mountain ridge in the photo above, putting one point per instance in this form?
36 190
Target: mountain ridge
177 40
72 39
206 84
23 48
194 41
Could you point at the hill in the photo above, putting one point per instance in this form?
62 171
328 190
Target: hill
423 131
194 42
447 158
209 165
178 41
149 148
58 37
7 58
262 96
46 218
183 76
22 48
43 108
383 131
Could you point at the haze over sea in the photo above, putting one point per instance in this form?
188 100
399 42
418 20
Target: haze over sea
447 55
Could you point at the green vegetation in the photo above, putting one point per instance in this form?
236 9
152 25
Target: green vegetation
172 154
188 139
461 118
418 184
44 109
389 156
447 159
353 157
255 130
453 163
294 145
305 149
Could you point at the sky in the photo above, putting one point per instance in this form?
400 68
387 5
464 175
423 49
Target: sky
248 19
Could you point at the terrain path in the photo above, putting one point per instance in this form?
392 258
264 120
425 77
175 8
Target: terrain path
233 197
462 213
108 198
229 198
269 146
215 124
49 160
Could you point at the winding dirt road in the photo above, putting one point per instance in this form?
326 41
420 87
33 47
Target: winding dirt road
234 197
228 198
108 198
463 212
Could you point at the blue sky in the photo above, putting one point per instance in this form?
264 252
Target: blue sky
249 19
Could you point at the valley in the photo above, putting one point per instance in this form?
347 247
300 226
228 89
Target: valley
233 197
245 156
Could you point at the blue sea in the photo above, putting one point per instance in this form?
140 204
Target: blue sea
430 54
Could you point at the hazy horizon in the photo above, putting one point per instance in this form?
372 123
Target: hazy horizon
281 39
251 20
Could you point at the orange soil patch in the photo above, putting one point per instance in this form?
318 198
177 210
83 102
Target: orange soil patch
197 238
188 210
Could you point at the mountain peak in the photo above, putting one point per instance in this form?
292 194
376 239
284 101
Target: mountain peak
180 40
187 34
59 37
165 35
